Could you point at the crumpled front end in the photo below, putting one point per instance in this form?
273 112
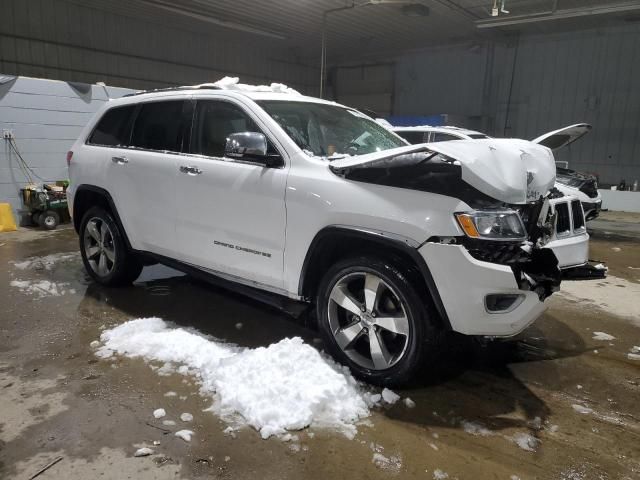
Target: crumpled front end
494 276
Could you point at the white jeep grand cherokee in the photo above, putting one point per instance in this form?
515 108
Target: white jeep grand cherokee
296 198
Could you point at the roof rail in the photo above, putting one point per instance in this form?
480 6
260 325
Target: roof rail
207 86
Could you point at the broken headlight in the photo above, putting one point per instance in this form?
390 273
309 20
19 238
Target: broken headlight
492 225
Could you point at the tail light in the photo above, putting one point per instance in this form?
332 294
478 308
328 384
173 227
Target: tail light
69 157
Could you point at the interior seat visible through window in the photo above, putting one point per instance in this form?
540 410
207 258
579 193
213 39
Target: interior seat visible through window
214 122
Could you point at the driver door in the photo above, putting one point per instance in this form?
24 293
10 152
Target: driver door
231 215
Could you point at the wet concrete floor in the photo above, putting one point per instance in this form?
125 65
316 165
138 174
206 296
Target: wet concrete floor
554 403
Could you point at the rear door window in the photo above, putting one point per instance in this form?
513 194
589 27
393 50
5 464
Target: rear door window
159 126
114 128
412 137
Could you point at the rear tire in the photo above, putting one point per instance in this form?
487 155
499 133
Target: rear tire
49 220
104 250
373 320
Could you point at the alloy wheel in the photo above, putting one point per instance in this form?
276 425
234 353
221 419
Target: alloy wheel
99 247
368 320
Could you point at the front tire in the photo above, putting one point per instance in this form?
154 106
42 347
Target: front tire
373 320
104 251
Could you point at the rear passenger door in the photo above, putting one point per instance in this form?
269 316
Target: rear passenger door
231 215
144 174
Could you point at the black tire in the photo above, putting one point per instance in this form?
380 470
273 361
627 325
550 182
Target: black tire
35 218
49 220
423 337
122 267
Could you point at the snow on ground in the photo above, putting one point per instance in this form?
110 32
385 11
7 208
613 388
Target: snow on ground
581 408
409 403
186 417
603 336
42 288
612 294
475 428
439 474
159 413
45 263
288 385
184 435
389 396
392 463
143 452
525 441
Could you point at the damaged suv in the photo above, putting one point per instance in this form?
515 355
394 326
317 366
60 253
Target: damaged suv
297 198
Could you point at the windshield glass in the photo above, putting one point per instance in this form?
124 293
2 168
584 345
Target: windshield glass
327 130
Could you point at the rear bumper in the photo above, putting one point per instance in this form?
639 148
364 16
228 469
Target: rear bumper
464 282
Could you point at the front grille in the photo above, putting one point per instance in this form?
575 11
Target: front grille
563 222
578 215
504 253
590 188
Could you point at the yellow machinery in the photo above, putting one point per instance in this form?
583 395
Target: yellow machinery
7 222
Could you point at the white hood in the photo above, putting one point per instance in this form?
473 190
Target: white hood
511 171
564 136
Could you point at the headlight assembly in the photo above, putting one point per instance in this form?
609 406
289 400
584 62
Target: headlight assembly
492 225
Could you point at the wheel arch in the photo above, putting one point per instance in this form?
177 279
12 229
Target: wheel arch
88 196
335 242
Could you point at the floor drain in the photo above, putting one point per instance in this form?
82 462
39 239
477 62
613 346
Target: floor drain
159 290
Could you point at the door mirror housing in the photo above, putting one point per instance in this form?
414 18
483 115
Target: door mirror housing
251 146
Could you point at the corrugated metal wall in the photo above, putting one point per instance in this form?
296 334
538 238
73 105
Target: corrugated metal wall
589 76
67 41
46 117
579 76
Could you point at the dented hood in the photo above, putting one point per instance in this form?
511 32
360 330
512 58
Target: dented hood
564 136
511 171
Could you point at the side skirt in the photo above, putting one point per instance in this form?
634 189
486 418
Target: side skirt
294 308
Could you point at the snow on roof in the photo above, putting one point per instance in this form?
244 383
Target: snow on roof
233 83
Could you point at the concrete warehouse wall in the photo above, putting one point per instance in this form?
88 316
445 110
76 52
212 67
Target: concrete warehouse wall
46 117
525 87
71 41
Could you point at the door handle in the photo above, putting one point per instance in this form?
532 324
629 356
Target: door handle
190 170
120 160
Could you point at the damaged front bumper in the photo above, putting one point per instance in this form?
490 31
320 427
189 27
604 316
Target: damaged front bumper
491 299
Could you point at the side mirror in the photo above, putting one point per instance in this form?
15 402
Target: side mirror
251 146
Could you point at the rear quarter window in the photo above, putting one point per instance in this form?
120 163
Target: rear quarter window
114 128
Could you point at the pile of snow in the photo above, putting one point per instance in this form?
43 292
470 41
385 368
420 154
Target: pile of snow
42 288
439 474
613 294
233 83
288 385
634 354
46 262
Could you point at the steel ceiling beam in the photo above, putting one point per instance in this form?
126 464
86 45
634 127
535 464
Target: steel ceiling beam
558 15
